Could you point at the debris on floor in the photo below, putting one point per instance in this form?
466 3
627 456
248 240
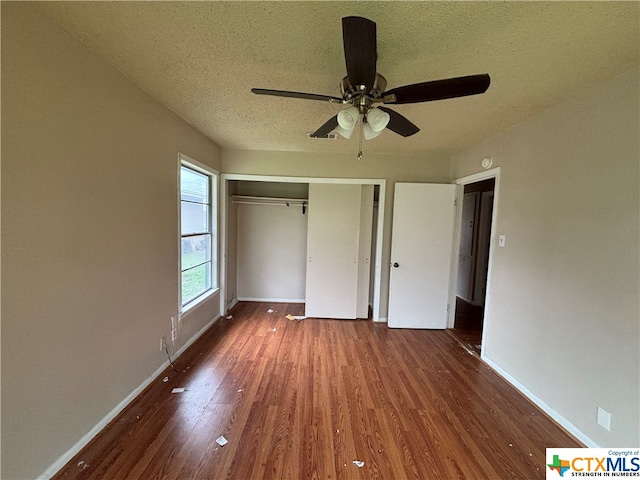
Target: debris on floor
82 464
274 329
288 316
359 463
178 390
271 310
469 351
165 379
221 441
229 317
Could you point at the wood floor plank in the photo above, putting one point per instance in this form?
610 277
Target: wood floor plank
305 399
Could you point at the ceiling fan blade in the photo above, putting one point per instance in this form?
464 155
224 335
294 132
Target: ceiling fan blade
399 123
325 129
304 96
360 51
439 89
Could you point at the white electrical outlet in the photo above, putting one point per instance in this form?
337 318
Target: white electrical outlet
163 343
174 335
174 322
604 419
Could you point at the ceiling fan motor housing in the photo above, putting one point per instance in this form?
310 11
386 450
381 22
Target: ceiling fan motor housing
349 92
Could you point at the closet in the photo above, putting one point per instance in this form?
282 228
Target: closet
302 243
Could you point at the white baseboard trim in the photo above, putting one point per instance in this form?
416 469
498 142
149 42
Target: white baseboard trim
381 320
64 459
273 300
566 424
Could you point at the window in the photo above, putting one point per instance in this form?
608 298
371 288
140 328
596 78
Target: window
198 233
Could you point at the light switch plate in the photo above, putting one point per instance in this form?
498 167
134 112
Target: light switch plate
604 419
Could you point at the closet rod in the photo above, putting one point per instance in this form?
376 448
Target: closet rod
249 200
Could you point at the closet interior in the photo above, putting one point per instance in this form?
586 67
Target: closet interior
297 242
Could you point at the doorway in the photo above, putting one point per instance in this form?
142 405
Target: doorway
476 219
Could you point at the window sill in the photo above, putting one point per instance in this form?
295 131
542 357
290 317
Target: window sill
198 301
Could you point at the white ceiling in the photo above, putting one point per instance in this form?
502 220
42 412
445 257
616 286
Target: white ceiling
201 59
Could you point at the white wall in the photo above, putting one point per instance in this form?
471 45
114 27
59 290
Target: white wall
434 169
89 246
563 311
271 253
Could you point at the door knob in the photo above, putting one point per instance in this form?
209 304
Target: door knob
395 265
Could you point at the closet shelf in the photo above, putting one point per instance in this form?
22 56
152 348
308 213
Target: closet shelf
249 200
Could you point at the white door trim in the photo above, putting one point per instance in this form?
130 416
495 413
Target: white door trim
224 200
461 182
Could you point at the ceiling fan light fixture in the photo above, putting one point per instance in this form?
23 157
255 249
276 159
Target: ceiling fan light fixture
369 132
347 120
343 132
377 119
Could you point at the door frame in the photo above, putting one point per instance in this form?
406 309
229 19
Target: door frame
225 200
461 182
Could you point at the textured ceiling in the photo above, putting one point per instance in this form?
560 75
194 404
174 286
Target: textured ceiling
201 59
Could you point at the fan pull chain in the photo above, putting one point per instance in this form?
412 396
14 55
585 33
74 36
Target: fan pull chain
360 135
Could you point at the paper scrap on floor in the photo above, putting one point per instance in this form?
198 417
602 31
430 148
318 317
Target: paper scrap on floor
359 463
221 441
271 310
178 390
288 316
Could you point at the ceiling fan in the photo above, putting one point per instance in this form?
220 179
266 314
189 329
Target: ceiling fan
364 87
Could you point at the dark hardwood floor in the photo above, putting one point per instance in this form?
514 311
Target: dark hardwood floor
305 399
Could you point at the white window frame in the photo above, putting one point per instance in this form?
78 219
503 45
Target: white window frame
214 207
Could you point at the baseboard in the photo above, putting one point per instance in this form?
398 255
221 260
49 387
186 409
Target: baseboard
273 300
381 320
559 419
64 459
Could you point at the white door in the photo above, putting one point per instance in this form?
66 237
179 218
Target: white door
332 250
421 249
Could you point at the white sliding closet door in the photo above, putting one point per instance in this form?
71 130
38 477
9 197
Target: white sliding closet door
333 246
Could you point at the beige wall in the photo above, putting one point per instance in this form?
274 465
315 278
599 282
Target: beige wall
322 165
89 244
562 311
